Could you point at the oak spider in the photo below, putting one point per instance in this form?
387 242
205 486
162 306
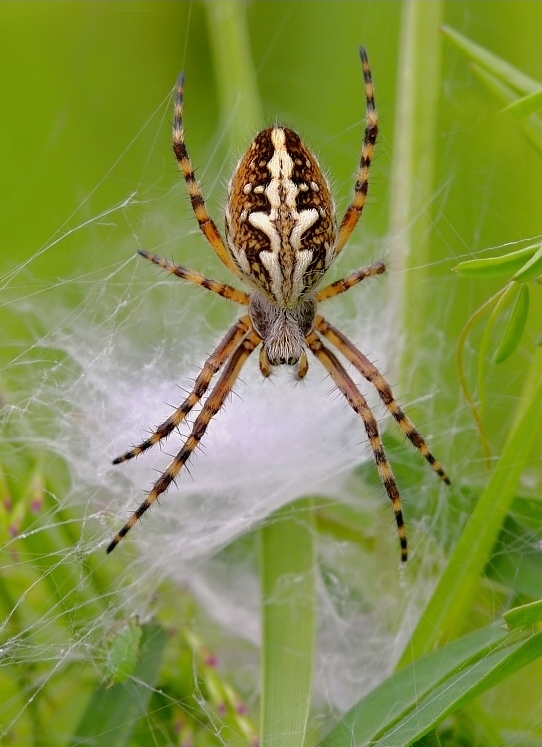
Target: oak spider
281 238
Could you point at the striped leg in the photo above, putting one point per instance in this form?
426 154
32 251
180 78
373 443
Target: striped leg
344 284
207 225
371 373
221 289
355 208
212 365
358 403
212 405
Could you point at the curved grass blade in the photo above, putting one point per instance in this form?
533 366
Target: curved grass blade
515 325
496 267
412 702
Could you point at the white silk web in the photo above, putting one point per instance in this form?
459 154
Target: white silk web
97 378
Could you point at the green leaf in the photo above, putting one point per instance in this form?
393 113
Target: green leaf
513 330
504 81
494 64
530 126
113 712
529 104
412 702
450 601
496 267
517 560
527 614
531 269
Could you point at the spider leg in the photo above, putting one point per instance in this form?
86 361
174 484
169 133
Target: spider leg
265 366
221 289
207 225
303 366
212 405
355 208
211 366
344 284
369 371
358 403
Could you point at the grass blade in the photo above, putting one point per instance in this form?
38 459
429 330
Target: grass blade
493 64
288 624
412 702
419 86
447 608
113 712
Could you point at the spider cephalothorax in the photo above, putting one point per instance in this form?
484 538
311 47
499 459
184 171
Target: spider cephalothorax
283 331
281 237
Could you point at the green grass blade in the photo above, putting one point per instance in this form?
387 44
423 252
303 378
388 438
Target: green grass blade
287 557
398 695
527 105
447 608
460 688
514 327
113 712
412 702
496 267
288 624
493 64
527 614
412 187
531 269
530 126
234 68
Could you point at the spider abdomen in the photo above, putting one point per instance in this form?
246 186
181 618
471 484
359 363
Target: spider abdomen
280 217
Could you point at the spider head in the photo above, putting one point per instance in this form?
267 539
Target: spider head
283 331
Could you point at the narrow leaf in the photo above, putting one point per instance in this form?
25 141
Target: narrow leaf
496 267
447 608
527 614
513 330
531 269
288 624
531 126
459 689
412 702
495 65
113 712
526 105
399 694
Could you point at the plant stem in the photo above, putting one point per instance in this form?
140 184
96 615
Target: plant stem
288 624
234 69
412 187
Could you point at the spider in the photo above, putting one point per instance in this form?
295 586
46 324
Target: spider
281 237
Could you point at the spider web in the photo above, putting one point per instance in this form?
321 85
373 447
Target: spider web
106 354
